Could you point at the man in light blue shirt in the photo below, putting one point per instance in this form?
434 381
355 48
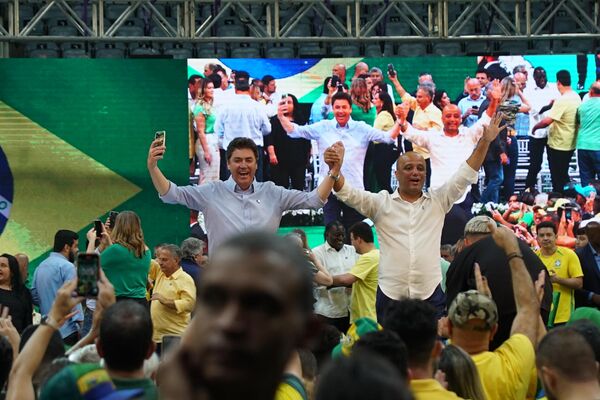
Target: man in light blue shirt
239 204
51 274
243 116
355 135
469 106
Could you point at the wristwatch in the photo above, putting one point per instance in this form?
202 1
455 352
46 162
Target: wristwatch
49 321
334 177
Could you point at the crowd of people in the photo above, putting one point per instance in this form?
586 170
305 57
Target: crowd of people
462 297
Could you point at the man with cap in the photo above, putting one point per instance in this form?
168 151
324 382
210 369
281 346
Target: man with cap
243 117
472 322
589 256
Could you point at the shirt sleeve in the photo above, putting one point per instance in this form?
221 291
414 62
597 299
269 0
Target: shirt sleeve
518 358
219 126
407 98
377 135
455 187
557 110
265 127
476 130
187 295
417 136
575 270
368 204
295 199
193 197
310 132
365 264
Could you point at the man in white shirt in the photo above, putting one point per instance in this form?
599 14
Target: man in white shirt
271 97
333 304
540 97
409 223
244 117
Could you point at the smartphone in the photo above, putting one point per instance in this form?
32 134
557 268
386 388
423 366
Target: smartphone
284 96
112 218
88 271
391 70
334 80
98 228
160 135
568 213
475 107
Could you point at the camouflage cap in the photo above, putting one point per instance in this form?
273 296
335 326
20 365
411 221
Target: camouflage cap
473 305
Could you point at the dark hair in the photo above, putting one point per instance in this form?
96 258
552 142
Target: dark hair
388 345
259 242
219 68
267 79
546 224
16 281
362 230
205 83
364 76
341 96
567 351
437 98
125 335
381 85
55 348
595 90
6 359
590 332
215 79
331 225
482 70
193 78
300 117
326 340
241 143
416 323
64 237
528 197
326 85
361 376
388 104
564 77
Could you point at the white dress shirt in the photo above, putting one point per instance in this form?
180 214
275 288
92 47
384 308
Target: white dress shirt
334 303
409 233
242 117
448 152
356 136
539 98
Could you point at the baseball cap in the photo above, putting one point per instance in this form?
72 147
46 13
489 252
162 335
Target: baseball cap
358 328
242 80
473 305
588 313
85 382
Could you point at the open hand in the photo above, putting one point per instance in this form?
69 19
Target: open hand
504 238
491 131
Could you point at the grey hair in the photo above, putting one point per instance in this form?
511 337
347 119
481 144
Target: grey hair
428 88
375 69
191 247
173 249
478 225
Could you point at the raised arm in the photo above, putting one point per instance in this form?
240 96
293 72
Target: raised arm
156 152
399 88
496 95
490 133
526 300
334 161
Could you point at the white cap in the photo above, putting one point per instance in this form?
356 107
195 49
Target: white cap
584 223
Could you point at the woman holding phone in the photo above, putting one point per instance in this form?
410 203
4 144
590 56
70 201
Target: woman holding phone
207 143
126 259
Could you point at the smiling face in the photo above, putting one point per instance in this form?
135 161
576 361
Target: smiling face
335 236
411 173
242 164
540 78
342 110
423 98
451 118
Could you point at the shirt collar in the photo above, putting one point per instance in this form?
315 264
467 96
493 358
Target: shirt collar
329 248
396 195
350 121
231 185
57 254
594 252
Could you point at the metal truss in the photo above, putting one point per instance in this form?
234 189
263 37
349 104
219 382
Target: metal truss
324 21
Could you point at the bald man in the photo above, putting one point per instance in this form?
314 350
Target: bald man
410 251
469 106
360 69
340 71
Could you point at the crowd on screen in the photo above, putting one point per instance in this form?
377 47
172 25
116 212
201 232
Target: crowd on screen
443 287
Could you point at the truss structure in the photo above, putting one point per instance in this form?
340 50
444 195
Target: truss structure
275 21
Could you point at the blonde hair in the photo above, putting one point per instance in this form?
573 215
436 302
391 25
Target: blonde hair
360 94
128 233
461 373
509 89
206 105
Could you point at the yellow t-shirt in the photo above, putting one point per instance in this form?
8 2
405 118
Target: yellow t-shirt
562 132
428 118
365 288
152 274
565 264
291 388
505 373
430 389
168 321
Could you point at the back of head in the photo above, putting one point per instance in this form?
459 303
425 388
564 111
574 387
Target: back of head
125 336
477 228
416 324
242 81
563 77
362 230
128 232
589 331
461 373
388 345
567 352
361 376
63 237
191 247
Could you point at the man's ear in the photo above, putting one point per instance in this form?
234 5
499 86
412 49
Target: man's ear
437 350
493 331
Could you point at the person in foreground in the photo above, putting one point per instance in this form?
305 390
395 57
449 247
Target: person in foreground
416 241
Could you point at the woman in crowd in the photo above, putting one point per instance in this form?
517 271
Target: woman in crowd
441 99
383 155
207 143
461 374
126 260
362 108
378 87
13 293
288 157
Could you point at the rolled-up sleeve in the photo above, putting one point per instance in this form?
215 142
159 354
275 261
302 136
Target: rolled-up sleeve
456 186
186 296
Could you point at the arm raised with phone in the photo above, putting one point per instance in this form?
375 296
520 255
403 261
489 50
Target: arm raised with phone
157 152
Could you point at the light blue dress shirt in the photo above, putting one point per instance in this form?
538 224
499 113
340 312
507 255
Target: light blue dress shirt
49 276
316 110
242 116
467 103
356 136
228 210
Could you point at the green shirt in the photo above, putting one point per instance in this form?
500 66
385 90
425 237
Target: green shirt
125 271
588 137
150 391
210 118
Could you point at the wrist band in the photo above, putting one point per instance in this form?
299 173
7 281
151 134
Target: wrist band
334 177
514 255
49 321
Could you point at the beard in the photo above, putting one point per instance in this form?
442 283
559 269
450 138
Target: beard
71 257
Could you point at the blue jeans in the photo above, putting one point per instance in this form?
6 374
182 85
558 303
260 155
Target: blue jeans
510 170
589 165
494 176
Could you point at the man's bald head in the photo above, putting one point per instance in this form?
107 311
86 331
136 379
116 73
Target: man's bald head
521 80
450 108
595 89
408 156
361 68
474 88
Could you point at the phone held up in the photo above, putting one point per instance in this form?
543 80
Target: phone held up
88 272
98 228
112 218
391 70
160 135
